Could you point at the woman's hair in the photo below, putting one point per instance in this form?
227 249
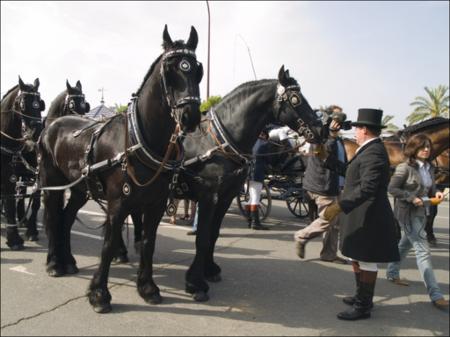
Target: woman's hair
413 145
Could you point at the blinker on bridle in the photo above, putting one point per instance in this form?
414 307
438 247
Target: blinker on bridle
294 100
184 66
69 103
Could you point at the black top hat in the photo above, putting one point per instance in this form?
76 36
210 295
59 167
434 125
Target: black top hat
369 117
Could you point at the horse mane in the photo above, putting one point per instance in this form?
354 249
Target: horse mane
240 89
9 91
425 124
7 99
176 45
55 104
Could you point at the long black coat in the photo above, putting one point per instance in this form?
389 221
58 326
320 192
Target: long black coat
368 231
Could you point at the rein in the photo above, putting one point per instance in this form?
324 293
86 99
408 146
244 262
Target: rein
221 146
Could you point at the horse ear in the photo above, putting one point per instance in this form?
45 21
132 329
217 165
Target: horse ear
21 84
68 85
167 41
287 74
282 75
193 39
36 83
78 85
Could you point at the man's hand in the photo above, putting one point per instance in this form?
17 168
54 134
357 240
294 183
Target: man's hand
332 211
335 126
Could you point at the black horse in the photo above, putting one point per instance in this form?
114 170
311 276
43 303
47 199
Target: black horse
21 125
215 165
121 160
69 102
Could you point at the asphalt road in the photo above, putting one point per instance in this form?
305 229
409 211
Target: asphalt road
266 289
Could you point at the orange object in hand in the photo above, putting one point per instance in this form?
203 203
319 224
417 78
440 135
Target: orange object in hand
435 201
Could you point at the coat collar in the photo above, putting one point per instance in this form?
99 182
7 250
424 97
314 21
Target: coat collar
364 147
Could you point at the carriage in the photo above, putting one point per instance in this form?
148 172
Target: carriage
283 179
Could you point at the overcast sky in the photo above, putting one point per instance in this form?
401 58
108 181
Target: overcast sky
354 54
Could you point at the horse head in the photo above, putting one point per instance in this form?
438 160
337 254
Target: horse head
295 111
74 102
30 105
181 74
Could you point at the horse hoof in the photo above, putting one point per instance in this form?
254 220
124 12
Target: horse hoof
154 299
102 308
214 279
200 296
121 259
55 272
71 269
17 246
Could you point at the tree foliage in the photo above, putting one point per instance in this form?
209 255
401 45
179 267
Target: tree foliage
435 104
120 108
210 102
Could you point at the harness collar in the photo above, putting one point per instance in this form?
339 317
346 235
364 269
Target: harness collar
138 142
223 134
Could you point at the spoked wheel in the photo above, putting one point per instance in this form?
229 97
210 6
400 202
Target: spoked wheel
298 205
265 201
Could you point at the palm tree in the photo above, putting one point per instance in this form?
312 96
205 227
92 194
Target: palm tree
390 127
435 105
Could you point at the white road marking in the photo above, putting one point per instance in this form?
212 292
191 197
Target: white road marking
21 269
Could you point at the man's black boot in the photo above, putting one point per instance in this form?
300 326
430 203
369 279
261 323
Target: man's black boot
364 298
255 223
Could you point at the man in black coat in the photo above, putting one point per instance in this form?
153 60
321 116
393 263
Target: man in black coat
368 232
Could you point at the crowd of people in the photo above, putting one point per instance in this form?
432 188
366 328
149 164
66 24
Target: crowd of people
352 204
353 210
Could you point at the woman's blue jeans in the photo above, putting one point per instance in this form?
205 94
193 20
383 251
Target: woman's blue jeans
415 236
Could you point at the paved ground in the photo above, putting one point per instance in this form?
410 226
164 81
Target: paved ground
266 289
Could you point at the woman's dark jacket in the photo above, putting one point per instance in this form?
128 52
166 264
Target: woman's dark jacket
368 231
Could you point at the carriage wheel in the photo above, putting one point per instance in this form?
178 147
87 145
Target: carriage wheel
265 201
298 206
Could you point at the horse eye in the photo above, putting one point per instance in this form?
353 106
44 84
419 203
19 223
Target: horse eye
185 65
35 105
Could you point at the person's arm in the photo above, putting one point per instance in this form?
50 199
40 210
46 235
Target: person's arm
396 185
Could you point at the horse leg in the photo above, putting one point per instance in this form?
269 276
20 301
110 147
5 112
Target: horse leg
147 288
98 293
138 226
195 275
212 269
13 239
20 207
53 217
121 255
32 233
77 200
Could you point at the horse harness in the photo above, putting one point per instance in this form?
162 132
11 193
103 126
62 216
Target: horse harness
16 153
69 104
